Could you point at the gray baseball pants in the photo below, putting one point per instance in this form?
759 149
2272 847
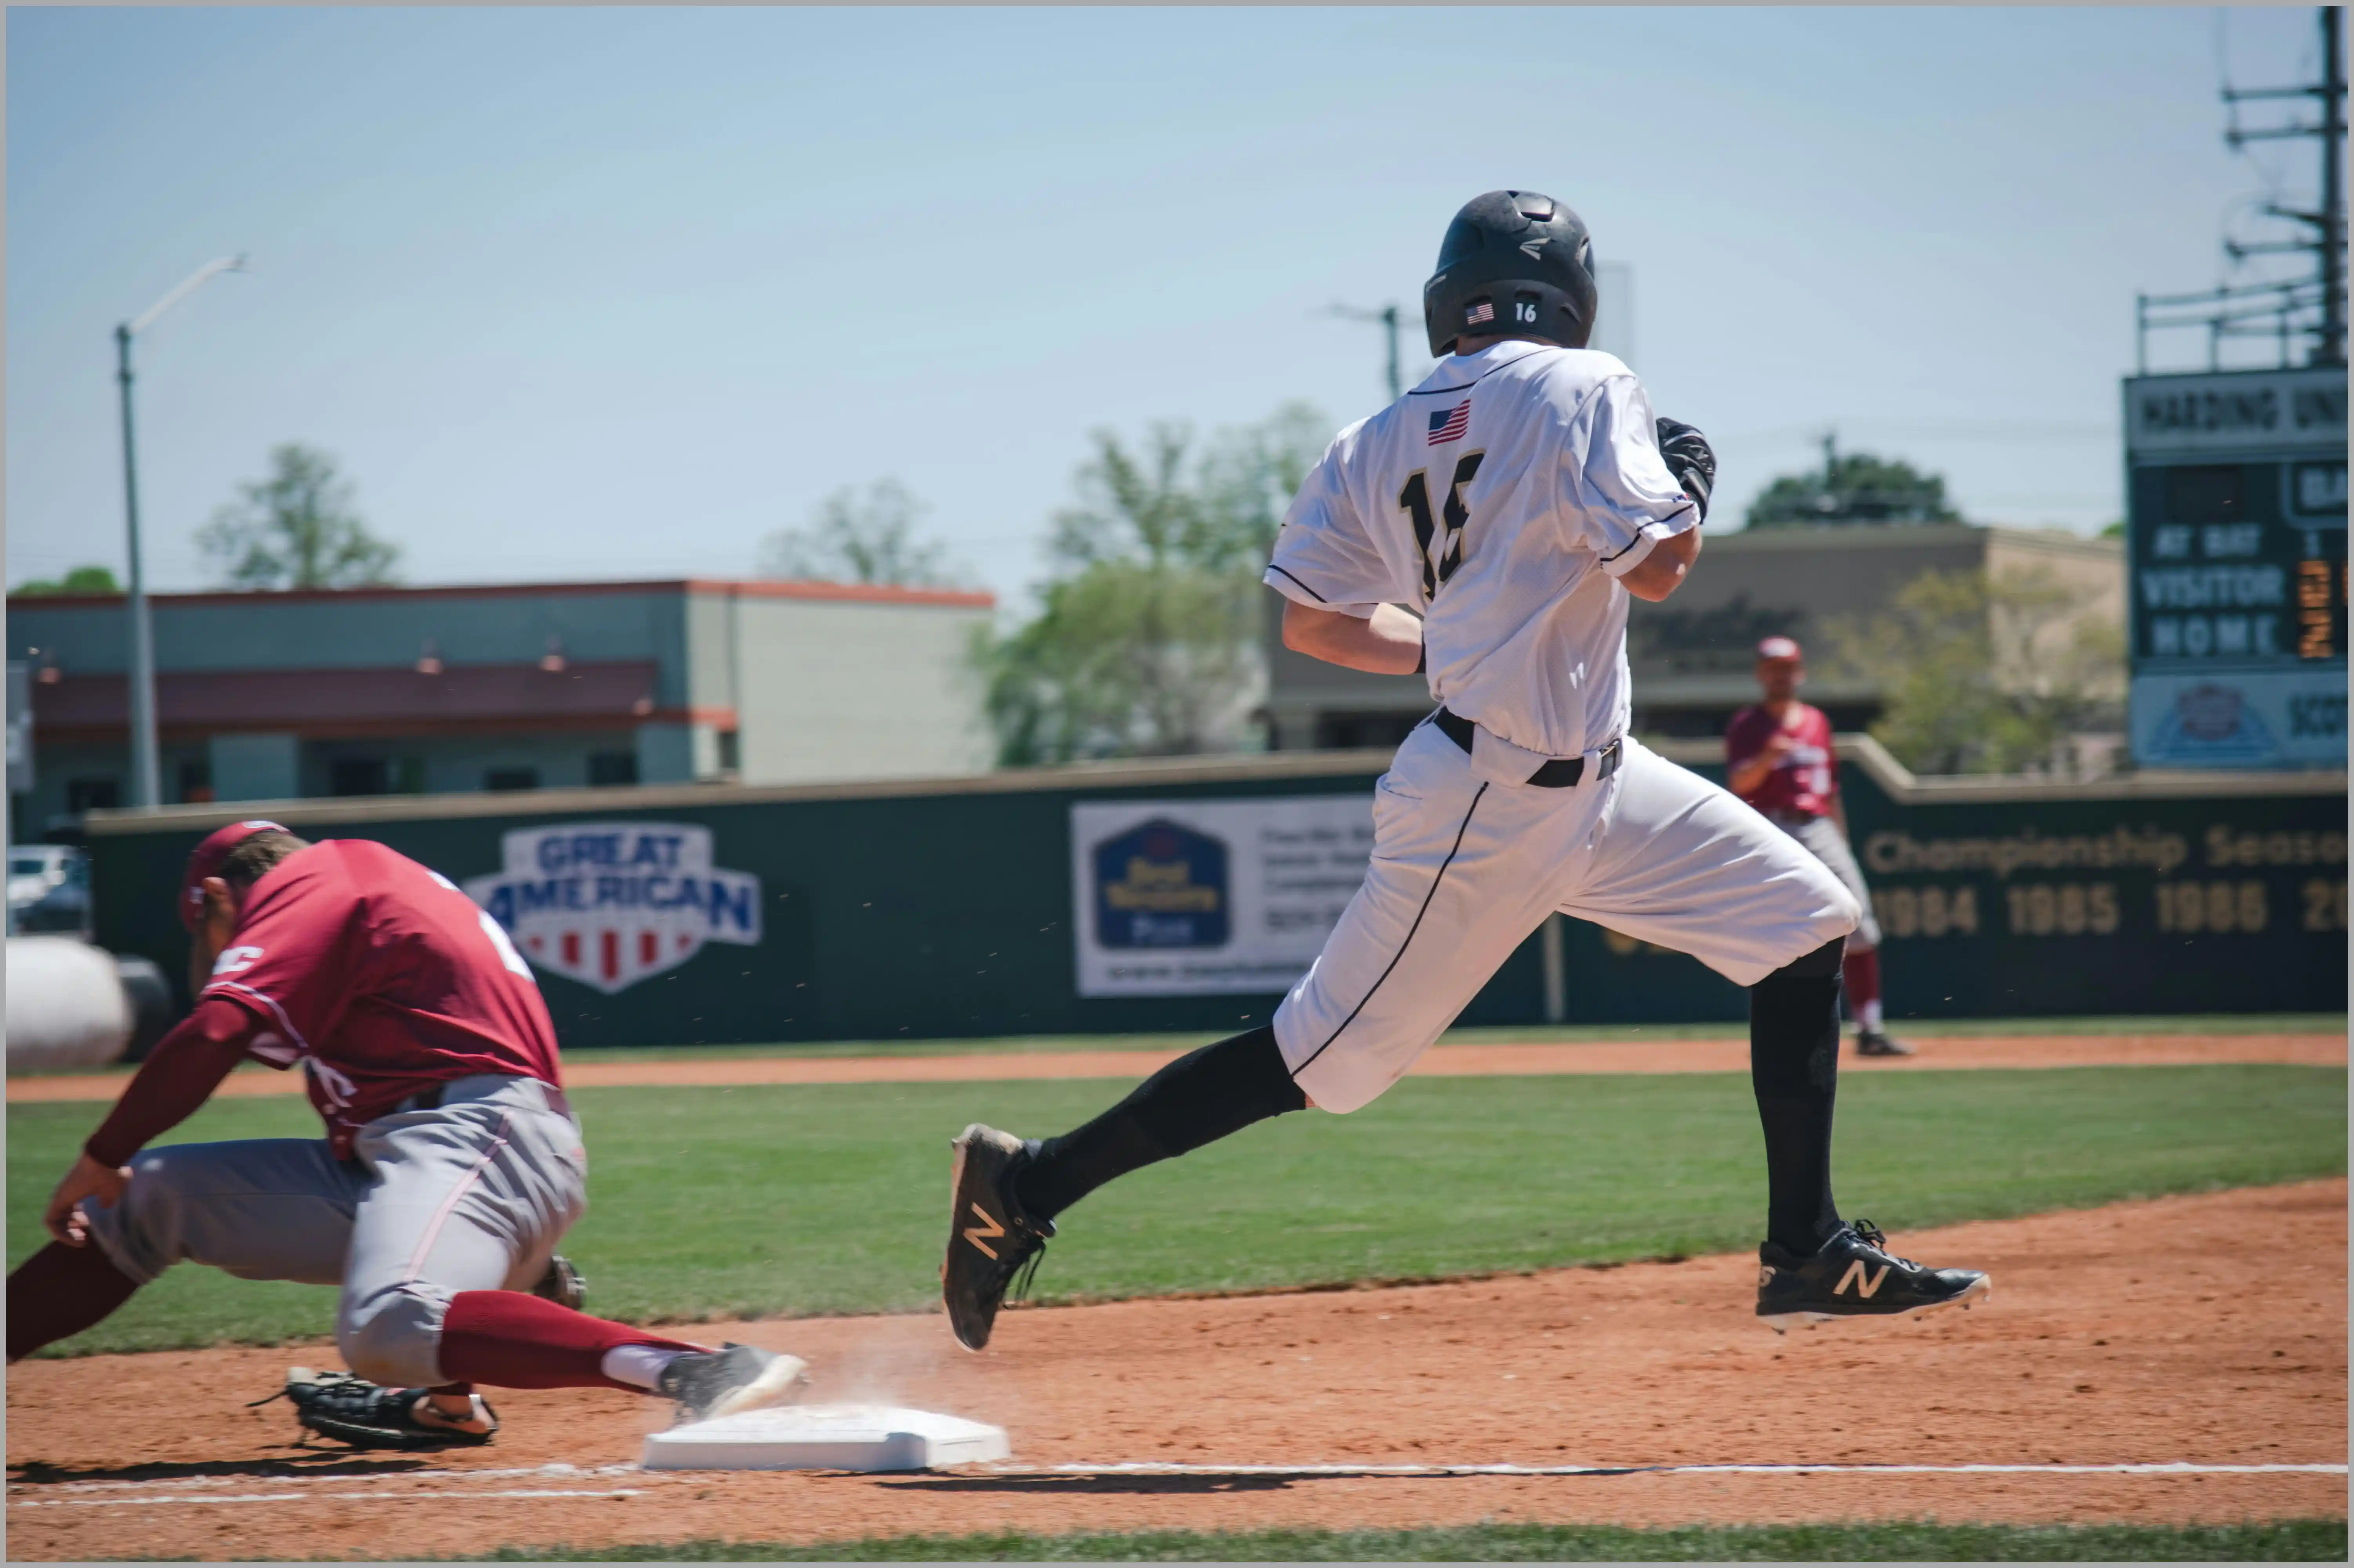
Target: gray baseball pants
1822 836
471 1195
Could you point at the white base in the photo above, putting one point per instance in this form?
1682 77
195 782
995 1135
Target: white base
826 1437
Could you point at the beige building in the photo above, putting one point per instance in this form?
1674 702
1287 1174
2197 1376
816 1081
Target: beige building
1692 656
402 691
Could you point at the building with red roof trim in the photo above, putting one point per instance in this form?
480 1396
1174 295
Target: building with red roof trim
501 687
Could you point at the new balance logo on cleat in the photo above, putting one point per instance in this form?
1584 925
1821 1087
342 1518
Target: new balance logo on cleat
1853 1275
987 1230
976 1276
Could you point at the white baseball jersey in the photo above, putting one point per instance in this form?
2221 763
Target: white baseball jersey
1502 499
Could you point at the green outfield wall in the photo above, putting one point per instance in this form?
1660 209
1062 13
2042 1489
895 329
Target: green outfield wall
1164 896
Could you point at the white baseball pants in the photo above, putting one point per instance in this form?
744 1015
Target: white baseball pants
1464 868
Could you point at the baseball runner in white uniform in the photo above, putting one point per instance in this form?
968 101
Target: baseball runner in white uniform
1487 530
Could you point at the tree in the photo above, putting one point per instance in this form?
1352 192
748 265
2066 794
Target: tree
296 529
1988 673
1856 488
1147 640
81 580
1249 476
856 539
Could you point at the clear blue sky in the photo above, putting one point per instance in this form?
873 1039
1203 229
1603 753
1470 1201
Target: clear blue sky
579 294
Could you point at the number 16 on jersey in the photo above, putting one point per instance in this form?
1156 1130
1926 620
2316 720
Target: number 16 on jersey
1441 552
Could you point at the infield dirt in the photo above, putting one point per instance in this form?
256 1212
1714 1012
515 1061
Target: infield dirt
2209 1328
1953 1052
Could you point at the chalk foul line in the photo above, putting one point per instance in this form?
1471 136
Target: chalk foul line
185 1500
581 1472
190 1490
2172 1467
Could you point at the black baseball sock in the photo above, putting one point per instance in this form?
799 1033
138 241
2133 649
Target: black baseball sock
1794 1037
1197 1099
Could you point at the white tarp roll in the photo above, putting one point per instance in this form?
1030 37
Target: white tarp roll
65 1005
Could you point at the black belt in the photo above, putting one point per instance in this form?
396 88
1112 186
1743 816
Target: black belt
1558 774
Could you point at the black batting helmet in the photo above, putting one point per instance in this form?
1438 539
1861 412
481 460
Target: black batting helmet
1512 262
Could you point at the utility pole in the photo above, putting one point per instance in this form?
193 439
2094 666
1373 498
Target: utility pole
2327 221
2331 350
1388 316
146 767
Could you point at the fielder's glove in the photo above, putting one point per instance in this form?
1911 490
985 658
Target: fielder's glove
1690 459
563 1284
368 1415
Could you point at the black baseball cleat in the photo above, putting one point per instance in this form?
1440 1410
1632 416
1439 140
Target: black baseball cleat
708 1384
368 1415
1874 1043
991 1237
1853 1275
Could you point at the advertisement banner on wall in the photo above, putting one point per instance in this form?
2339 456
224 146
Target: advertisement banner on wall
611 903
1201 897
2294 718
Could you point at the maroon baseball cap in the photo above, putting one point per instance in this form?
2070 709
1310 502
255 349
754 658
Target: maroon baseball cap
205 861
1778 648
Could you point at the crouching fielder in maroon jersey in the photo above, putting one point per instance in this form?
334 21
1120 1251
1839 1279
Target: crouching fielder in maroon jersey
451 1167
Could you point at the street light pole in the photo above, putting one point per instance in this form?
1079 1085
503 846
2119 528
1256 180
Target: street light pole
146 770
146 767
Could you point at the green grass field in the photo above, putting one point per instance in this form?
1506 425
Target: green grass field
828 1199
2285 1541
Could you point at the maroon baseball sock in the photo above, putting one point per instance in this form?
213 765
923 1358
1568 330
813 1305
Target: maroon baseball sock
60 1291
508 1340
1861 969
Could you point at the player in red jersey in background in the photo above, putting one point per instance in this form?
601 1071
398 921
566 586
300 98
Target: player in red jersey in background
1779 758
452 1166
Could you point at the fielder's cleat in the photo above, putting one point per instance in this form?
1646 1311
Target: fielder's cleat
563 1284
991 1237
1853 1275
1874 1043
708 1384
368 1415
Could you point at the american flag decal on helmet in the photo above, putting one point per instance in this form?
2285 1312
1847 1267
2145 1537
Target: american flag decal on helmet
1450 425
1482 311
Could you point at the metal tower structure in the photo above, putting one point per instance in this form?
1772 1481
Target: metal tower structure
2311 308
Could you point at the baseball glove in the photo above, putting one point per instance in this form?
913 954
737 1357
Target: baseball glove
368 1415
563 1284
1690 459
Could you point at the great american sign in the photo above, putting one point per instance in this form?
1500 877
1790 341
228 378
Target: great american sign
611 903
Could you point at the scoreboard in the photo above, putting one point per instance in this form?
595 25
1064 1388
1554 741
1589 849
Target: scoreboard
2236 509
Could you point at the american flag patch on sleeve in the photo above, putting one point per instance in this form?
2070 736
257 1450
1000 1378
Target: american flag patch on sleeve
1450 425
